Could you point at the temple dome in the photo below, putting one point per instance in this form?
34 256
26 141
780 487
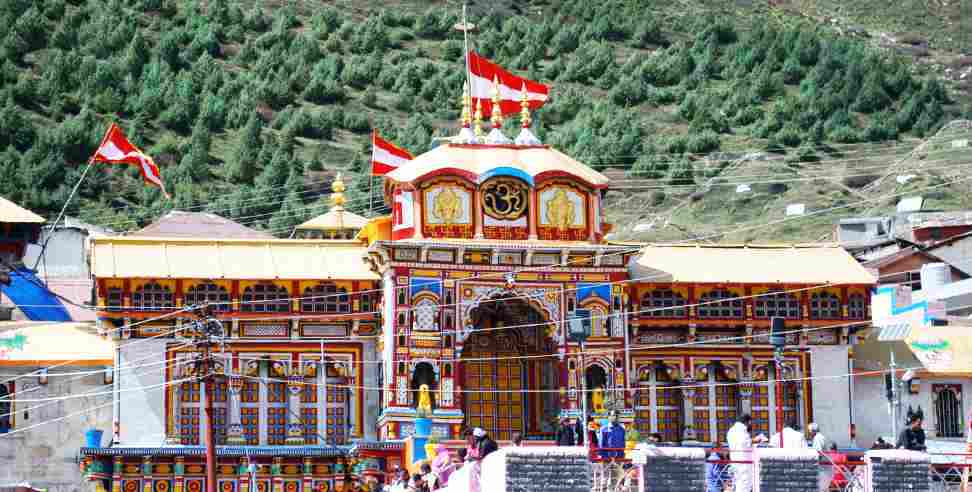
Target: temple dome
479 162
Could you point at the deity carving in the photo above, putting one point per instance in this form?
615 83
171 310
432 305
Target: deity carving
560 210
447 206
425 398
597 400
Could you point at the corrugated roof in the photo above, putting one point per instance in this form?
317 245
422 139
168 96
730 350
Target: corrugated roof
750 264
294 259
12 213
335 219
199 224
478 160
38 343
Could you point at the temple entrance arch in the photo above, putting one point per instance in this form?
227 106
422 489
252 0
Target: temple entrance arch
511 370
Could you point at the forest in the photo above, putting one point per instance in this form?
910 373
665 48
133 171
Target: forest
248 107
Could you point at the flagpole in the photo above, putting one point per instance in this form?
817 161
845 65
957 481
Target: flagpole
68 201
63 209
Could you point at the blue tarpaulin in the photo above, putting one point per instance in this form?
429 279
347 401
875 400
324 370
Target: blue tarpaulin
29 294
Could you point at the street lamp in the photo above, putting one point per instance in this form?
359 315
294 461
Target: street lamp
778 340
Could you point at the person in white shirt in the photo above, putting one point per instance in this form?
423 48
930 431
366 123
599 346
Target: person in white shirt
741 449
792 438
819 440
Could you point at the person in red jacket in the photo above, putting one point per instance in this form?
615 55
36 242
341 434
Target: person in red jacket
839 460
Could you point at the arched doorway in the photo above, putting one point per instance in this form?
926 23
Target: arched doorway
510 375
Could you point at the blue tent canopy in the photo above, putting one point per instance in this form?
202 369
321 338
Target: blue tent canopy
33 298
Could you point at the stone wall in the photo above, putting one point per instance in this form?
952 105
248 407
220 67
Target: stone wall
786 470
671 469
43 452
529 469
897 470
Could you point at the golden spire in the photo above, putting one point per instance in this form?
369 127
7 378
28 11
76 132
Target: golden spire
337 198
478 118
465 105
524 108
497 118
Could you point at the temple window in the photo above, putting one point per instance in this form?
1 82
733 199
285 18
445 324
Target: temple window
367 304
824 305
599 321
777 304
152 297
191 402
947 399
115 299
215 295
265 298
309 410
856 308
326 298
716 404
663 303
658 404
720 303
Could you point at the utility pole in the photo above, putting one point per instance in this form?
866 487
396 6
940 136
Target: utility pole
206 328
778 340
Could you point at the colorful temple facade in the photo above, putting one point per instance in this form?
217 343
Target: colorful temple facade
493 248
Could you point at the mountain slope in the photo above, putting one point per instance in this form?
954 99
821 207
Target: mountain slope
249 107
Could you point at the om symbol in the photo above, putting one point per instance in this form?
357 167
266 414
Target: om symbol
504 199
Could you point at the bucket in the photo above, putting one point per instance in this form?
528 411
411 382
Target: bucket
423 427
92 438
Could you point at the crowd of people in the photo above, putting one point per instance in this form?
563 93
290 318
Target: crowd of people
460 472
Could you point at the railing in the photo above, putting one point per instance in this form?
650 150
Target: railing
950 472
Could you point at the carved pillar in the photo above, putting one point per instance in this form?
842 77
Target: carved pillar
276 471
688 408
533 215
234 431
179 471
477 215
308 470
116 474
295 429
147 474
244 473
174 436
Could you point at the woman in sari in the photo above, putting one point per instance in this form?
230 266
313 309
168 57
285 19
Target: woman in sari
442 465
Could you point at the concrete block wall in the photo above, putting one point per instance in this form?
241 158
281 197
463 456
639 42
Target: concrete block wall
536 469
895 470
670 469
785 470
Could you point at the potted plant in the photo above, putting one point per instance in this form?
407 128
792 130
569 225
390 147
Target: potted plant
423 423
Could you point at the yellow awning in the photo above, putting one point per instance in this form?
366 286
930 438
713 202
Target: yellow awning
811 264
29 343
240 259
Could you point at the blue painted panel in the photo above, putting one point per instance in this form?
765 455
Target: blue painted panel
423 284
506 171
602 290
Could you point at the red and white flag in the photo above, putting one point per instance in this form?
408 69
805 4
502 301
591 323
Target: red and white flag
481 76
116 149
386 156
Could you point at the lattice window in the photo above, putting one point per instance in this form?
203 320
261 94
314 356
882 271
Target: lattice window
115 299
220 415
309 410
824 305
856 307
367 302
152 297
947 399
764 403
716 407
494 401
265 298
720 303
337 411
663 303
250 411
659 407
777 304
426 315
215 295
189 417
326 298
599 321
276 412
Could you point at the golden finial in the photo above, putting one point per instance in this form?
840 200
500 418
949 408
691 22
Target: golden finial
337 198
465 105
524 108
478 118
497 118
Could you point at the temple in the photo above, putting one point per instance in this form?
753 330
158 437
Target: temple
458 303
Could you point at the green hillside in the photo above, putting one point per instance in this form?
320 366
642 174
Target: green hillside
248 107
